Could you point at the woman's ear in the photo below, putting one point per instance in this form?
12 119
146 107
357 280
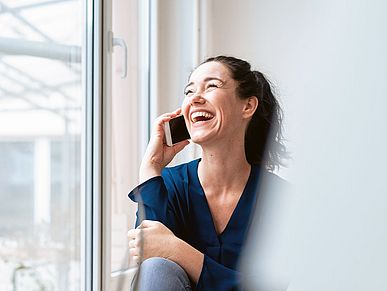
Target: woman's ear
251 106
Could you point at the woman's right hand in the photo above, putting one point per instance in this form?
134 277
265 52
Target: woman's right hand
158 154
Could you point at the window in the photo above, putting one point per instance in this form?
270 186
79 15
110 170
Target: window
16 187
41 125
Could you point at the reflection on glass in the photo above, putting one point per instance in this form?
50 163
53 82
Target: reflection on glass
40 128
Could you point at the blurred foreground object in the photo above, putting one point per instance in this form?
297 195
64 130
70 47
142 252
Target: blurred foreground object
328 230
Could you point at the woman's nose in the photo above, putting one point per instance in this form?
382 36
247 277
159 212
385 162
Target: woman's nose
197 99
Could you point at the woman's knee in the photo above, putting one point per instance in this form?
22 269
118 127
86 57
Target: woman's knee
162 274
154 263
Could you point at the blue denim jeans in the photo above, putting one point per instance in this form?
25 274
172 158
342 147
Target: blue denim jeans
162 275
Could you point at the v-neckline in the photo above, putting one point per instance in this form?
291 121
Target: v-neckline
237 206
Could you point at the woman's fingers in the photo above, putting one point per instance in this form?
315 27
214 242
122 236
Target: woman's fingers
158 130
147 223
133 234
169 115
137 259
134 252
134 243
166 117
177 111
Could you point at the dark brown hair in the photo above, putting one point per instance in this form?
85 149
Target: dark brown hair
265 127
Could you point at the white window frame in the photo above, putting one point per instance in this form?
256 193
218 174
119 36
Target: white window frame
91 211
96 203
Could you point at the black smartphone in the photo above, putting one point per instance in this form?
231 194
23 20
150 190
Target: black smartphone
175 130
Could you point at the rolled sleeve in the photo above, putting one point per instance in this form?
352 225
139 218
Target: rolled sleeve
152 196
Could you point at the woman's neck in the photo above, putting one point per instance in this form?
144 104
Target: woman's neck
221 170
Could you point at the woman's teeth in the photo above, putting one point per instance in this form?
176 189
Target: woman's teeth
201 116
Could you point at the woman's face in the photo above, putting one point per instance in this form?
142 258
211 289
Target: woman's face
211 108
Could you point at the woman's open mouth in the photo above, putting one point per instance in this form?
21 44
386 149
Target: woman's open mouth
200 116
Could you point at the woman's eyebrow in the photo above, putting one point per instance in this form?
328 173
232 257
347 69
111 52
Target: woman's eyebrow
189 84
205 81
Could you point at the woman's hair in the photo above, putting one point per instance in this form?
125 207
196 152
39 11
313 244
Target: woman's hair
265 127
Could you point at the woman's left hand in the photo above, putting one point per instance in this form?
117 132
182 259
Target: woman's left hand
155 239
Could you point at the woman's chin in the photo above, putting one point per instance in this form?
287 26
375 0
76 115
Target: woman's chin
200 138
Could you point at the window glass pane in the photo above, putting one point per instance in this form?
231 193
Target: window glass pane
41 97
16 187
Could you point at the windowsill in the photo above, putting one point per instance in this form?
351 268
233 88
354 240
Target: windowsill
122 279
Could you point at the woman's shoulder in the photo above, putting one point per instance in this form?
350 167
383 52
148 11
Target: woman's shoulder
274 178
180 172
182 166
273 187
265 179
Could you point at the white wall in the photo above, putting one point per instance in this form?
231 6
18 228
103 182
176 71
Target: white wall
311 50
175 50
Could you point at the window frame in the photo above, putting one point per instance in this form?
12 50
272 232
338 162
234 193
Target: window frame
91 147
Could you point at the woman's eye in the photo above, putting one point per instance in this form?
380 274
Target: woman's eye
212 85
188 92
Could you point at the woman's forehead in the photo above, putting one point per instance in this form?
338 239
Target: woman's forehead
210 70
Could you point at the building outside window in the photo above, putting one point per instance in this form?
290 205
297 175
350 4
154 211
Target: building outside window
40 144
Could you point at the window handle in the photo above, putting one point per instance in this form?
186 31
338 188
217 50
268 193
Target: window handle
117 41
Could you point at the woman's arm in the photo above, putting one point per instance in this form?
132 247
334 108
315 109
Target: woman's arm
189 258
153 239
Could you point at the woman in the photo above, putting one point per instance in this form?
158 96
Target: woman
198 213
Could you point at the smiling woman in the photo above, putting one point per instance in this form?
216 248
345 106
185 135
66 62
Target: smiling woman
198 213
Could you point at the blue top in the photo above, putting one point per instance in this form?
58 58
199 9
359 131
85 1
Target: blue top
176 199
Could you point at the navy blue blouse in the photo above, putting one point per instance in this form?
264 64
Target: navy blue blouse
176 199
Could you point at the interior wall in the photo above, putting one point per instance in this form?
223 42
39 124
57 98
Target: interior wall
175 51
319 50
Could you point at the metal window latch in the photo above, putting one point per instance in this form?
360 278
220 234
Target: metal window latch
116 41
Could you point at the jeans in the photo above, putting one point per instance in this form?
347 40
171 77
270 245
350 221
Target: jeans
162 275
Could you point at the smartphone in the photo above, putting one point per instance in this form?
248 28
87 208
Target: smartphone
175 130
